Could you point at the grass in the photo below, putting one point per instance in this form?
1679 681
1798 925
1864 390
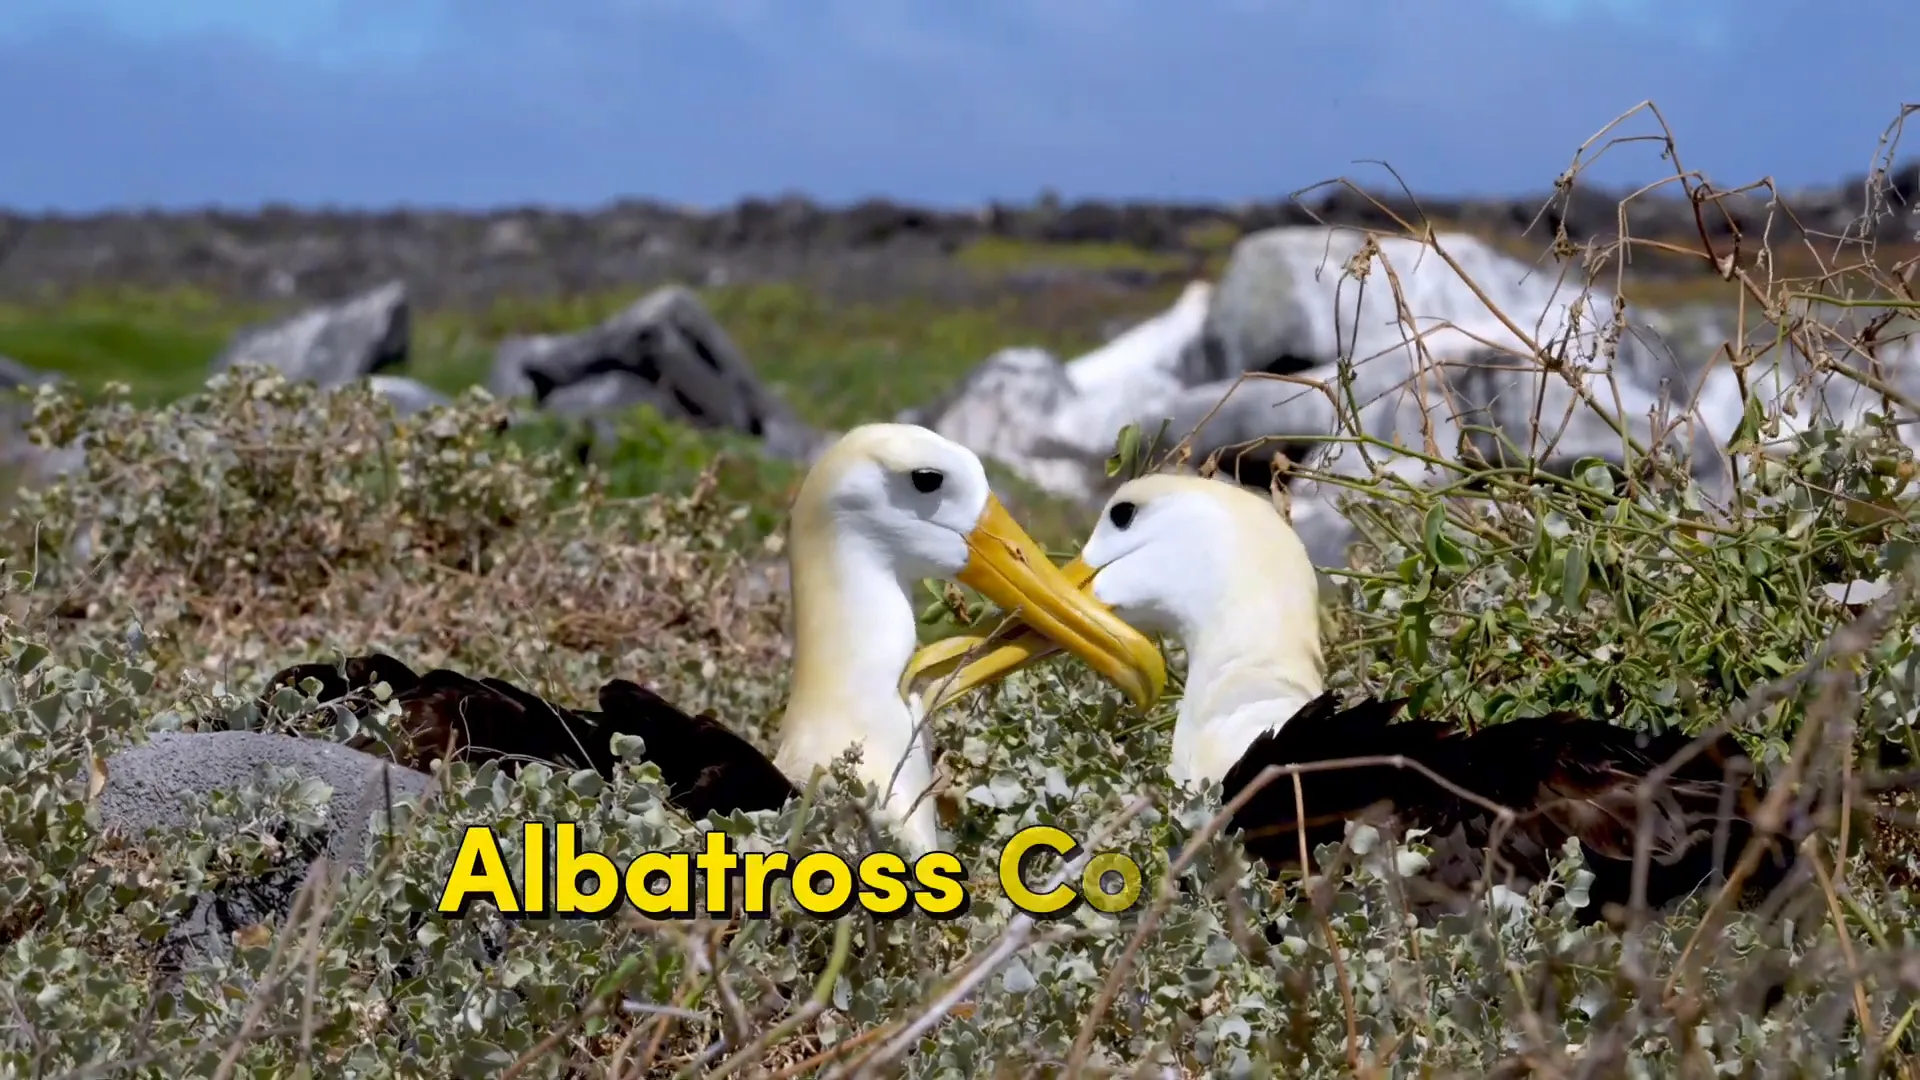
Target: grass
160 349
996 254
838 365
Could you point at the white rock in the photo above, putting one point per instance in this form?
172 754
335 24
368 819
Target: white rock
1856 593
1053 423
1140 368
332 344
1414 356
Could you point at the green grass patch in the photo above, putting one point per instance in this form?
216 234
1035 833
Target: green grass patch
838 365
997 254
158 344
649 453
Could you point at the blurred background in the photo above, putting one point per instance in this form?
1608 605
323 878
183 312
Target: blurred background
870 197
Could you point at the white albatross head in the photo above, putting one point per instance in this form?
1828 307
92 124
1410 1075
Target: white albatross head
884 507
1214 566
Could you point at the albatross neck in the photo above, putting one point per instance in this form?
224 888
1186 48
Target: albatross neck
1253 659
854 632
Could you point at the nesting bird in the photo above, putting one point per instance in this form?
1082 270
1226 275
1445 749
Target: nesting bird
885 507
1217 567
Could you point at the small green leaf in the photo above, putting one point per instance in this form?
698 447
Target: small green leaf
1126 449
1748 429
1594 473
313 790
1415 631
1440 549
47 709
1579 890
618 977
1540 560
30 657
1421 586
1573 576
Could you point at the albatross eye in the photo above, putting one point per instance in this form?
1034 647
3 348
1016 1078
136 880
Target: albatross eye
928 481
1122 514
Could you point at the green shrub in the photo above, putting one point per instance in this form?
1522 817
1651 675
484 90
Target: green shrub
1635 601
446 540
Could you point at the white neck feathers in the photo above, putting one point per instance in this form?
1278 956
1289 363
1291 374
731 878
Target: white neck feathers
853 634
1252 662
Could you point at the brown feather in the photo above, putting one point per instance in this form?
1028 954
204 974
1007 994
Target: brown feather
707 768
1563 776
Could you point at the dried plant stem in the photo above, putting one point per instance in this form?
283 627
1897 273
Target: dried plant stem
1015 937
814 1006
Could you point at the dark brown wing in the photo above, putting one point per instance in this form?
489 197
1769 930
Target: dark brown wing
1563 776
1570 776
1324 731
494 720
444 713
447 714
340 680
707 768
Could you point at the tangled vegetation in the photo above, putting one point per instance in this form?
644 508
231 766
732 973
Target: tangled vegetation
259 523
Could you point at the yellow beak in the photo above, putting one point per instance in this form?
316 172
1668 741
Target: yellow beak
1011 569
1083 627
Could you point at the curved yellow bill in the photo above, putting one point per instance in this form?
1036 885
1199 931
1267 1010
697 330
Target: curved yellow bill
955 665
1011 569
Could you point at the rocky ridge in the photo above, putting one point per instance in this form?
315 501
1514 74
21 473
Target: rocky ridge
873 247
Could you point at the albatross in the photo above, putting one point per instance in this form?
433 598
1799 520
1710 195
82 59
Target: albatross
885 507
1216 567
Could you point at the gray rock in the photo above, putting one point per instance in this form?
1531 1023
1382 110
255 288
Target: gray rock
1396 346
1673 388
1287 301
1400 348
1469 401
158 783
29 464
1053 423
408 396
667 351
509 237
1002 411
331 345
608 393
14 374
513 356
1801 392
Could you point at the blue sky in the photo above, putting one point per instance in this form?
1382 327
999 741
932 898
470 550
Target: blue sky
576 102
